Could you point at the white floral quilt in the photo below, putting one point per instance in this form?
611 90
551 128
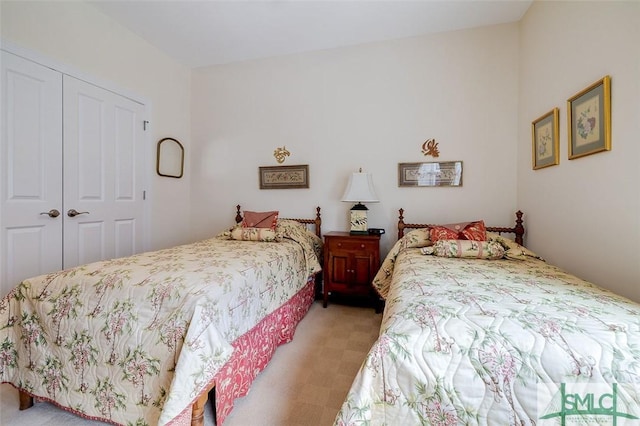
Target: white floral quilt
135 340
497 342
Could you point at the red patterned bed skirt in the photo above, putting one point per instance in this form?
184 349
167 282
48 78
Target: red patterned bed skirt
254 349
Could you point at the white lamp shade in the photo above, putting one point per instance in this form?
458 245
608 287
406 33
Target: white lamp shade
360 189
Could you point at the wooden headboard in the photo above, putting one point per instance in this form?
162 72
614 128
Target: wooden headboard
316 222
517 230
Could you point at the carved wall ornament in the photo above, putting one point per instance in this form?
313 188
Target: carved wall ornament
430 147
281 154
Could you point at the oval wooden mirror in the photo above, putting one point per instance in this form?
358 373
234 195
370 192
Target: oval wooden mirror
170 161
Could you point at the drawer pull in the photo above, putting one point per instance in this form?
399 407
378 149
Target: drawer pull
361 245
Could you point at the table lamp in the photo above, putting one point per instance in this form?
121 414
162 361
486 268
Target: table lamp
359 190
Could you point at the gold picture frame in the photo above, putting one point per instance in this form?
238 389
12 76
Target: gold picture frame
439 173
284 177
589 119
545 140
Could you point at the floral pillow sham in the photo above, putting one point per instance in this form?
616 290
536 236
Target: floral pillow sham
241 233
285 228
513 250
466 249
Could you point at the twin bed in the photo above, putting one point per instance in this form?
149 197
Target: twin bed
144 340
486 333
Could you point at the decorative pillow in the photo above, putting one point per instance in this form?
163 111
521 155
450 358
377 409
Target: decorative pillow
287 224
260 219
437 233
416 238
513 250
466 248
475 231
253 234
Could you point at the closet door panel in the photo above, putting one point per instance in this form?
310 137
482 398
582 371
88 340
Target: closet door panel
103 174
30 171
87 159
125 237
90 241
125 173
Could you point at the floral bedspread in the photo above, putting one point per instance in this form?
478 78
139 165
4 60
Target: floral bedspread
135 340
497 342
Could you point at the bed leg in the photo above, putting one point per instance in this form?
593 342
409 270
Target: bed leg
26 400
197 413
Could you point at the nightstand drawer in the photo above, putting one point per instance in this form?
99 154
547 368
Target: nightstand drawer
352 245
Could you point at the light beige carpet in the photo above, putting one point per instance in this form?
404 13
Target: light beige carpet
303 385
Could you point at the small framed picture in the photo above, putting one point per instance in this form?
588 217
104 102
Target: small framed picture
283 177
545 140
439 173
590 119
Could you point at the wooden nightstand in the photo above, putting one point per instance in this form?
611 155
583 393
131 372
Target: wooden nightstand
350 263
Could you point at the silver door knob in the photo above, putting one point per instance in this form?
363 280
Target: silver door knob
52 213
74 213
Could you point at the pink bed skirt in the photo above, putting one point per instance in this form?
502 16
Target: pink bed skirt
254 349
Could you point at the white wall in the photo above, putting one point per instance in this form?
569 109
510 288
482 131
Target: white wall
583 215
77 35
370 106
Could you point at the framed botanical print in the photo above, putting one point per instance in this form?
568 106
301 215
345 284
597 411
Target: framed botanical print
545 135
590 119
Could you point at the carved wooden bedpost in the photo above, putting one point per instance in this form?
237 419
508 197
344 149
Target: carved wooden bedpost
400 223
238 215
519 229
318 222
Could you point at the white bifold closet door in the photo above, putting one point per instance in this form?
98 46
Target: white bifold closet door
72 172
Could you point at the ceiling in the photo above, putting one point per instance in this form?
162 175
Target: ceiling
202 33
